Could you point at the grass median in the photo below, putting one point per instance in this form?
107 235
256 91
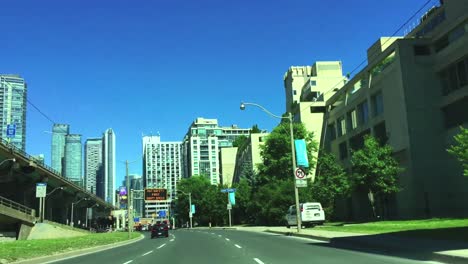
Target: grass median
440 229
26 249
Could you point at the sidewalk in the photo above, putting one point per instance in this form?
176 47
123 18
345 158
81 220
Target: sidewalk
406 247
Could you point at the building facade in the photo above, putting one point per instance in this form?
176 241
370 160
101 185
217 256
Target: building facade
136 184
201 147
412 95
108 164
248 157
73 159
93 163
13 91
162 168
59 133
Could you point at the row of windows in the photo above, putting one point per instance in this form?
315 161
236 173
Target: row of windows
356 117
455 76
357 141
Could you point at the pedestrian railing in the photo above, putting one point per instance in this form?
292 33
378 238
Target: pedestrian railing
14 205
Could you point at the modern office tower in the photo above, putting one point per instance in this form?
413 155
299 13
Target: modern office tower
108 163
201 147
412 95
73 159
59 133
93 162
39 158
13 109
162 168
307 88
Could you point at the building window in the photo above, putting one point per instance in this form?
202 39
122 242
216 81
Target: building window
294 92
377 104
331 131
313 83
343 150
421 50
363 113
455 113
351 120
357 142
341 126
380 133
454 76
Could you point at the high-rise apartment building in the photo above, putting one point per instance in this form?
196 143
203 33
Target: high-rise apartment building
162 168
201 147
93 163
59 133
108 163
13 90
136 184
73 158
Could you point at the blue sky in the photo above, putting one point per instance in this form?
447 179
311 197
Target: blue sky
143 67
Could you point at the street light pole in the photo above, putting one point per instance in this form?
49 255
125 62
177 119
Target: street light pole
190 205
42 217
72 223
293 155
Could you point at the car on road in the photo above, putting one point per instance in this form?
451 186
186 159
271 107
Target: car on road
311 214
159 230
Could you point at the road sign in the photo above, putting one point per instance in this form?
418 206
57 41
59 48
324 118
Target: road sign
301 183
229 206
228 190
11 130
155 194
162 213
136 219
300 173
41 189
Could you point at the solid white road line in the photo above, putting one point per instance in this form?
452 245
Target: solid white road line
227 239
258 261
237 246
128 262
149 252
171 240
159 247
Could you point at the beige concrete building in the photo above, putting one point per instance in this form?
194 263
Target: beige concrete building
248 157
227 165
307 88
413 95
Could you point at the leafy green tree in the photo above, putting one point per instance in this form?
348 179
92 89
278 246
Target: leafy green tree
460 150
255 130
276 152
375 170
331 183
240 141
241 212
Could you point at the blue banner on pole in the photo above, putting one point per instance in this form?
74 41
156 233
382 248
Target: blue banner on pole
301 153
193 208
232 198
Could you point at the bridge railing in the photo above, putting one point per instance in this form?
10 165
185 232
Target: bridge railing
14 205
46 167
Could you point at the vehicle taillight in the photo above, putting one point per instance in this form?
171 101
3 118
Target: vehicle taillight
302 209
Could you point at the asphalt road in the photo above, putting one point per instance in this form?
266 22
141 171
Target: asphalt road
202 246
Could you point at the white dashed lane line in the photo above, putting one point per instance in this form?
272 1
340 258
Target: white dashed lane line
237 246
220 235
159 247
128 262
258 261
227 239
149 252
171 240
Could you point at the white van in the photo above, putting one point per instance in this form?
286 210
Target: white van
311 214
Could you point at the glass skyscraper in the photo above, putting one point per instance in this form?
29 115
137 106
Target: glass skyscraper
93 163
13 108
59 133
109 166
73 158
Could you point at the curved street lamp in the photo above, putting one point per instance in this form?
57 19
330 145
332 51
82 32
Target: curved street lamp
73 204
42 217
12 159
296 191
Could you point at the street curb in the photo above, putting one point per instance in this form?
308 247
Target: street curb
76 253
325 239
449 258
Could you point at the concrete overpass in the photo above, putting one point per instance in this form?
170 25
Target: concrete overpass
19 173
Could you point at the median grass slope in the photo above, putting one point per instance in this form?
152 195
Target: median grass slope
441 229
26 249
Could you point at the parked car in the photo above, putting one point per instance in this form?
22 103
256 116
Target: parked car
159 230
311 214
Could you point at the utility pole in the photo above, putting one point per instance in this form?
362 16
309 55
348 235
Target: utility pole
190 208
128 198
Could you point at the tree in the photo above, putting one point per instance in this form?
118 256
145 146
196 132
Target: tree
375 171
331 183
276 152
255 130
460 150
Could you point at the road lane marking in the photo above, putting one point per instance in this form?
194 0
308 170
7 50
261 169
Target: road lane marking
227 239
220 235
258 261
171 240
149 252
237 246
128 261
159 247
212 233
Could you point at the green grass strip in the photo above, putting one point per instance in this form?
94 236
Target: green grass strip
26 249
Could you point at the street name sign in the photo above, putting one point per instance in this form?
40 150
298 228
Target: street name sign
41 189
